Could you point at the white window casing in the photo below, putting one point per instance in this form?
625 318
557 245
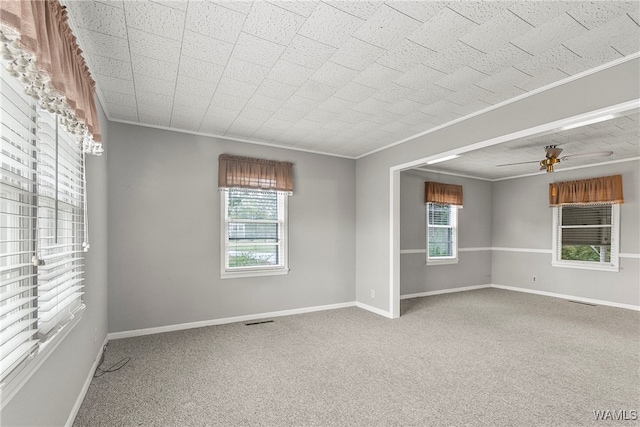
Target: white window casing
254 233
592 228
442 234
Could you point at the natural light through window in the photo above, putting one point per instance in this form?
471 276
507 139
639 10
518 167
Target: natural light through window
442 242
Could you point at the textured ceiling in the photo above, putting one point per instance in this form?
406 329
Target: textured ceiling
343 77
620 135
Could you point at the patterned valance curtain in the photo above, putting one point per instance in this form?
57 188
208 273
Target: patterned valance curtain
444 194
39 48
246 172
606 189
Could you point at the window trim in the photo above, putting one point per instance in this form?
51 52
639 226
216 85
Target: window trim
253 271
443 260
612 265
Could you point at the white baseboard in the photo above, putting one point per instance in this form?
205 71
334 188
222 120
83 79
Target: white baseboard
85 387
443 291
373 309
223 321
568 297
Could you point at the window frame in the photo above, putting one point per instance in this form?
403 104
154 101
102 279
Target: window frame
612 265
443 260
283 237
66 187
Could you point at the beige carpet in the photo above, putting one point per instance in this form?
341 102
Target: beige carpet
480 358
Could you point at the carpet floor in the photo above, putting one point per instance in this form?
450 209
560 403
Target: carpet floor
488 357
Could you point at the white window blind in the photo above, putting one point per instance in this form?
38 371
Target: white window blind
42 202
254 231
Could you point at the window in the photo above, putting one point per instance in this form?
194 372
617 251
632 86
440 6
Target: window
442 241
41 234
586 236
254 233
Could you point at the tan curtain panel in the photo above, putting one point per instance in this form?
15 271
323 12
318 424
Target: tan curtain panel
246 172
445 194
44 31
606 189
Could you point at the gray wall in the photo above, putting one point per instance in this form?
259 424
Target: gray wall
56 385
164 222
474 232
608 87
522 219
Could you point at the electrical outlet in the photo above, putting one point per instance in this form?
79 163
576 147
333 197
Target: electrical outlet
534 278
373 293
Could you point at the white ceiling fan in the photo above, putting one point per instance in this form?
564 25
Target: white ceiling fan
552 157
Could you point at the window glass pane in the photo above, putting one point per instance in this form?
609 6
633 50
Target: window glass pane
586 233
439 214
253 205
253 232
586 253
440 242
247 255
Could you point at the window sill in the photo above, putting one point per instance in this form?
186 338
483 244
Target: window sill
586 266
442 261
253 273
16 380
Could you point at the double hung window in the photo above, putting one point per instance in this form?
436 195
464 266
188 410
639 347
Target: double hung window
254 232
254 203
442 234
41 233
586 236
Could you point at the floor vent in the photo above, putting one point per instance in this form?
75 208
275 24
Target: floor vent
258 323
583 303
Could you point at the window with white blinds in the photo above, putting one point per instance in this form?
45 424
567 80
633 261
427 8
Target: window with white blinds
41 229
254 232
586 236
442 234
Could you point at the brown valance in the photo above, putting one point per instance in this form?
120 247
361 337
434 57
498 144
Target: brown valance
444 194
246 172
605 189
44 31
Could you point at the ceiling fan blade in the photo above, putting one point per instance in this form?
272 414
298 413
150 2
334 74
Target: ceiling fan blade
553 151
521 163
583 155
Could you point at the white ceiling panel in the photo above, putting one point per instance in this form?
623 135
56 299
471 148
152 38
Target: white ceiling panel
150 84
105 45
314 74
207 48
442 30
386 27
200 70
290 73
154 68
329 25
116 85
155 18
101 65
334 75
244 71
405 55
356 54
256 50
377 76
272 23
214 21
236 87
152 46
102 18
